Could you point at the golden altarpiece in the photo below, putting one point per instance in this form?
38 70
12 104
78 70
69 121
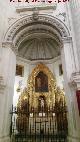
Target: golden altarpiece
41 100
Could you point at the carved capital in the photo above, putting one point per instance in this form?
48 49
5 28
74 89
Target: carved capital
10 45
7 44
75 80
67 40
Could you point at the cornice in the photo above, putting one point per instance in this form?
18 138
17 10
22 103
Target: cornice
51 61
31 7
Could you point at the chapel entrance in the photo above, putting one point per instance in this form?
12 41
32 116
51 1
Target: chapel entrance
41 114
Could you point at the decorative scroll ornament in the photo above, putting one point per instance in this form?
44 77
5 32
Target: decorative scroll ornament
35 14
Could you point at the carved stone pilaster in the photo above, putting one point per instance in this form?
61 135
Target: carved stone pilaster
2 85
75 80
10 45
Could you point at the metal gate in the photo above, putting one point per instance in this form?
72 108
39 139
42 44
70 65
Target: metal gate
31 125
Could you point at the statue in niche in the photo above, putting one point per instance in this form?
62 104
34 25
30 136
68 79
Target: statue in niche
41 82
42 103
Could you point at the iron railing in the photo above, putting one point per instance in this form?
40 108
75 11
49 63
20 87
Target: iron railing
30 125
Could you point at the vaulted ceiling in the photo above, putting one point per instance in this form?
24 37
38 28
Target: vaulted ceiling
39 48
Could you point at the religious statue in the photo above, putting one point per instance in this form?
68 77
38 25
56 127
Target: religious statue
42 103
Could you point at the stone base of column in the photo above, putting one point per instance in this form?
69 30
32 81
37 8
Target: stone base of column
73 139
5 139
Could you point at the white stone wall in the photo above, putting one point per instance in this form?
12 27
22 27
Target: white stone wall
75 12
4 14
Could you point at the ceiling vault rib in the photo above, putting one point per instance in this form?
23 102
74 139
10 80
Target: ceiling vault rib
32 49
56 47
39 47
37 55
49 48
26 49
45 49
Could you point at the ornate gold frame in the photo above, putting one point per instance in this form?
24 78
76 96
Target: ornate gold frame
29 94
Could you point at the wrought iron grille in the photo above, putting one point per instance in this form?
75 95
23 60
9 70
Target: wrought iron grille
31 125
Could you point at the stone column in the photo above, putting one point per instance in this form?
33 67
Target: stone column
8 64
68 62
75 85
74 6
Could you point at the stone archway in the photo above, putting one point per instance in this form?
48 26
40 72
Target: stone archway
20 30
25 22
